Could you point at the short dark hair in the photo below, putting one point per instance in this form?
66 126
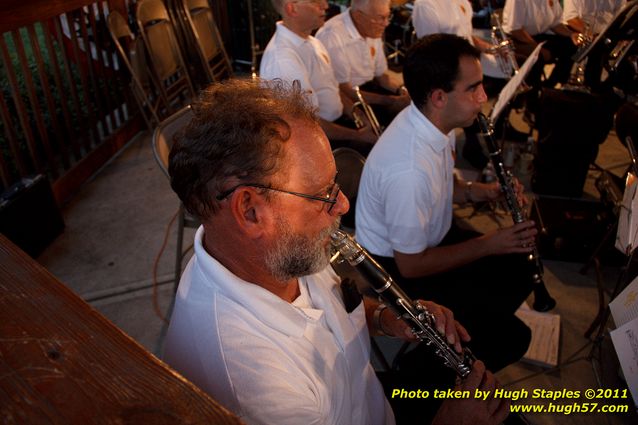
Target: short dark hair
237 132
433 63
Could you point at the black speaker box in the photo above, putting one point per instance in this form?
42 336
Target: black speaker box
29 215
572 230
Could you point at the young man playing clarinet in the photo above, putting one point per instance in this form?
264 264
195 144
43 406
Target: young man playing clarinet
405 199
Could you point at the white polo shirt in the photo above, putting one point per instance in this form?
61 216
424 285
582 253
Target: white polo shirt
269 361
534 16
291 57
596 13
404 201
451 17
355 59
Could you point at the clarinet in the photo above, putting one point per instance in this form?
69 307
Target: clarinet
414 314
543 301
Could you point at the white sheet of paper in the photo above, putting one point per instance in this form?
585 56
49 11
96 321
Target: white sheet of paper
627 235
625 340
543 348
624 307
512 85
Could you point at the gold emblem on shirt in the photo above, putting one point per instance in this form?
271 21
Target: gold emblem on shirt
462 9
551 3
372 51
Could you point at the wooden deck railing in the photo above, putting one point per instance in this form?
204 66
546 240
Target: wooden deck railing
64 105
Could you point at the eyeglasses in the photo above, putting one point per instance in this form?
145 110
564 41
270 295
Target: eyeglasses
378 19
330 197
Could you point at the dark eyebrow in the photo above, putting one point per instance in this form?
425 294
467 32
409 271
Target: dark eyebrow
473 86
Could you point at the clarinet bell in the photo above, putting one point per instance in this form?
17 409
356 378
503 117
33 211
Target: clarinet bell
542 300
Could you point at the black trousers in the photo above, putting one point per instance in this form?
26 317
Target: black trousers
483 296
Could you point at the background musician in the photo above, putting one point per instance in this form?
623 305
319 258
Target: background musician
260 322
455 17
404 206
530 22
293 54
590 17
354 41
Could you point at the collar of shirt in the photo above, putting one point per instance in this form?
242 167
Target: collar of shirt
266 306
350 27
287 34
426 131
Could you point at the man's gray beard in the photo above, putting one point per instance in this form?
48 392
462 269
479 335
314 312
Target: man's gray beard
296 255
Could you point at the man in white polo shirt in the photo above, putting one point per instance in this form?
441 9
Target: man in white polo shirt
293 54
530 22
261 321
354 41
407 190
590 16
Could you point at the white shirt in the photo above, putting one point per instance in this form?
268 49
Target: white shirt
291 57
534 16
404 201
269 361
595 13
442 16
451 17
355 59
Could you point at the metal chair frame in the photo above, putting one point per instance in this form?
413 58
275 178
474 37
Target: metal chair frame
148 102
199 24
162 141
168 66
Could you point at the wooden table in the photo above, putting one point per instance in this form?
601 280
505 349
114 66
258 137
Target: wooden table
63 362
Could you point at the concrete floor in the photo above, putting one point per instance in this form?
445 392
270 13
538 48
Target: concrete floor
116 225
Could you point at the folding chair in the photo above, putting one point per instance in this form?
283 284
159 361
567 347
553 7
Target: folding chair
164 53
162 142
200 23
132 54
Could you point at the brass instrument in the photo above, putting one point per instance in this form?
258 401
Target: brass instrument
367 110
414 314
542 299
503 49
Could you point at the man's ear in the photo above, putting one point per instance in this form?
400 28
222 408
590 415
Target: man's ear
250 211
438 98
290 9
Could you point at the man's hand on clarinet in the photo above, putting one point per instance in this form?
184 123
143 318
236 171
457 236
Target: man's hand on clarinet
454 332
519 238
474 410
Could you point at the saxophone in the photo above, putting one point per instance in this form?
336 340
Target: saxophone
414 314
542 299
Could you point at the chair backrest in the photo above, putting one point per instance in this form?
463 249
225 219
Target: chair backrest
132 55
164 134
350 166
206 38
163 49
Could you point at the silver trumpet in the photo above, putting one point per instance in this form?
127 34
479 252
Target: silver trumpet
413 313
503 49
368 112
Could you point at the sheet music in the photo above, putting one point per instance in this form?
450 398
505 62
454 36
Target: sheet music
627 234
625 340
543 348
508 92
624 307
